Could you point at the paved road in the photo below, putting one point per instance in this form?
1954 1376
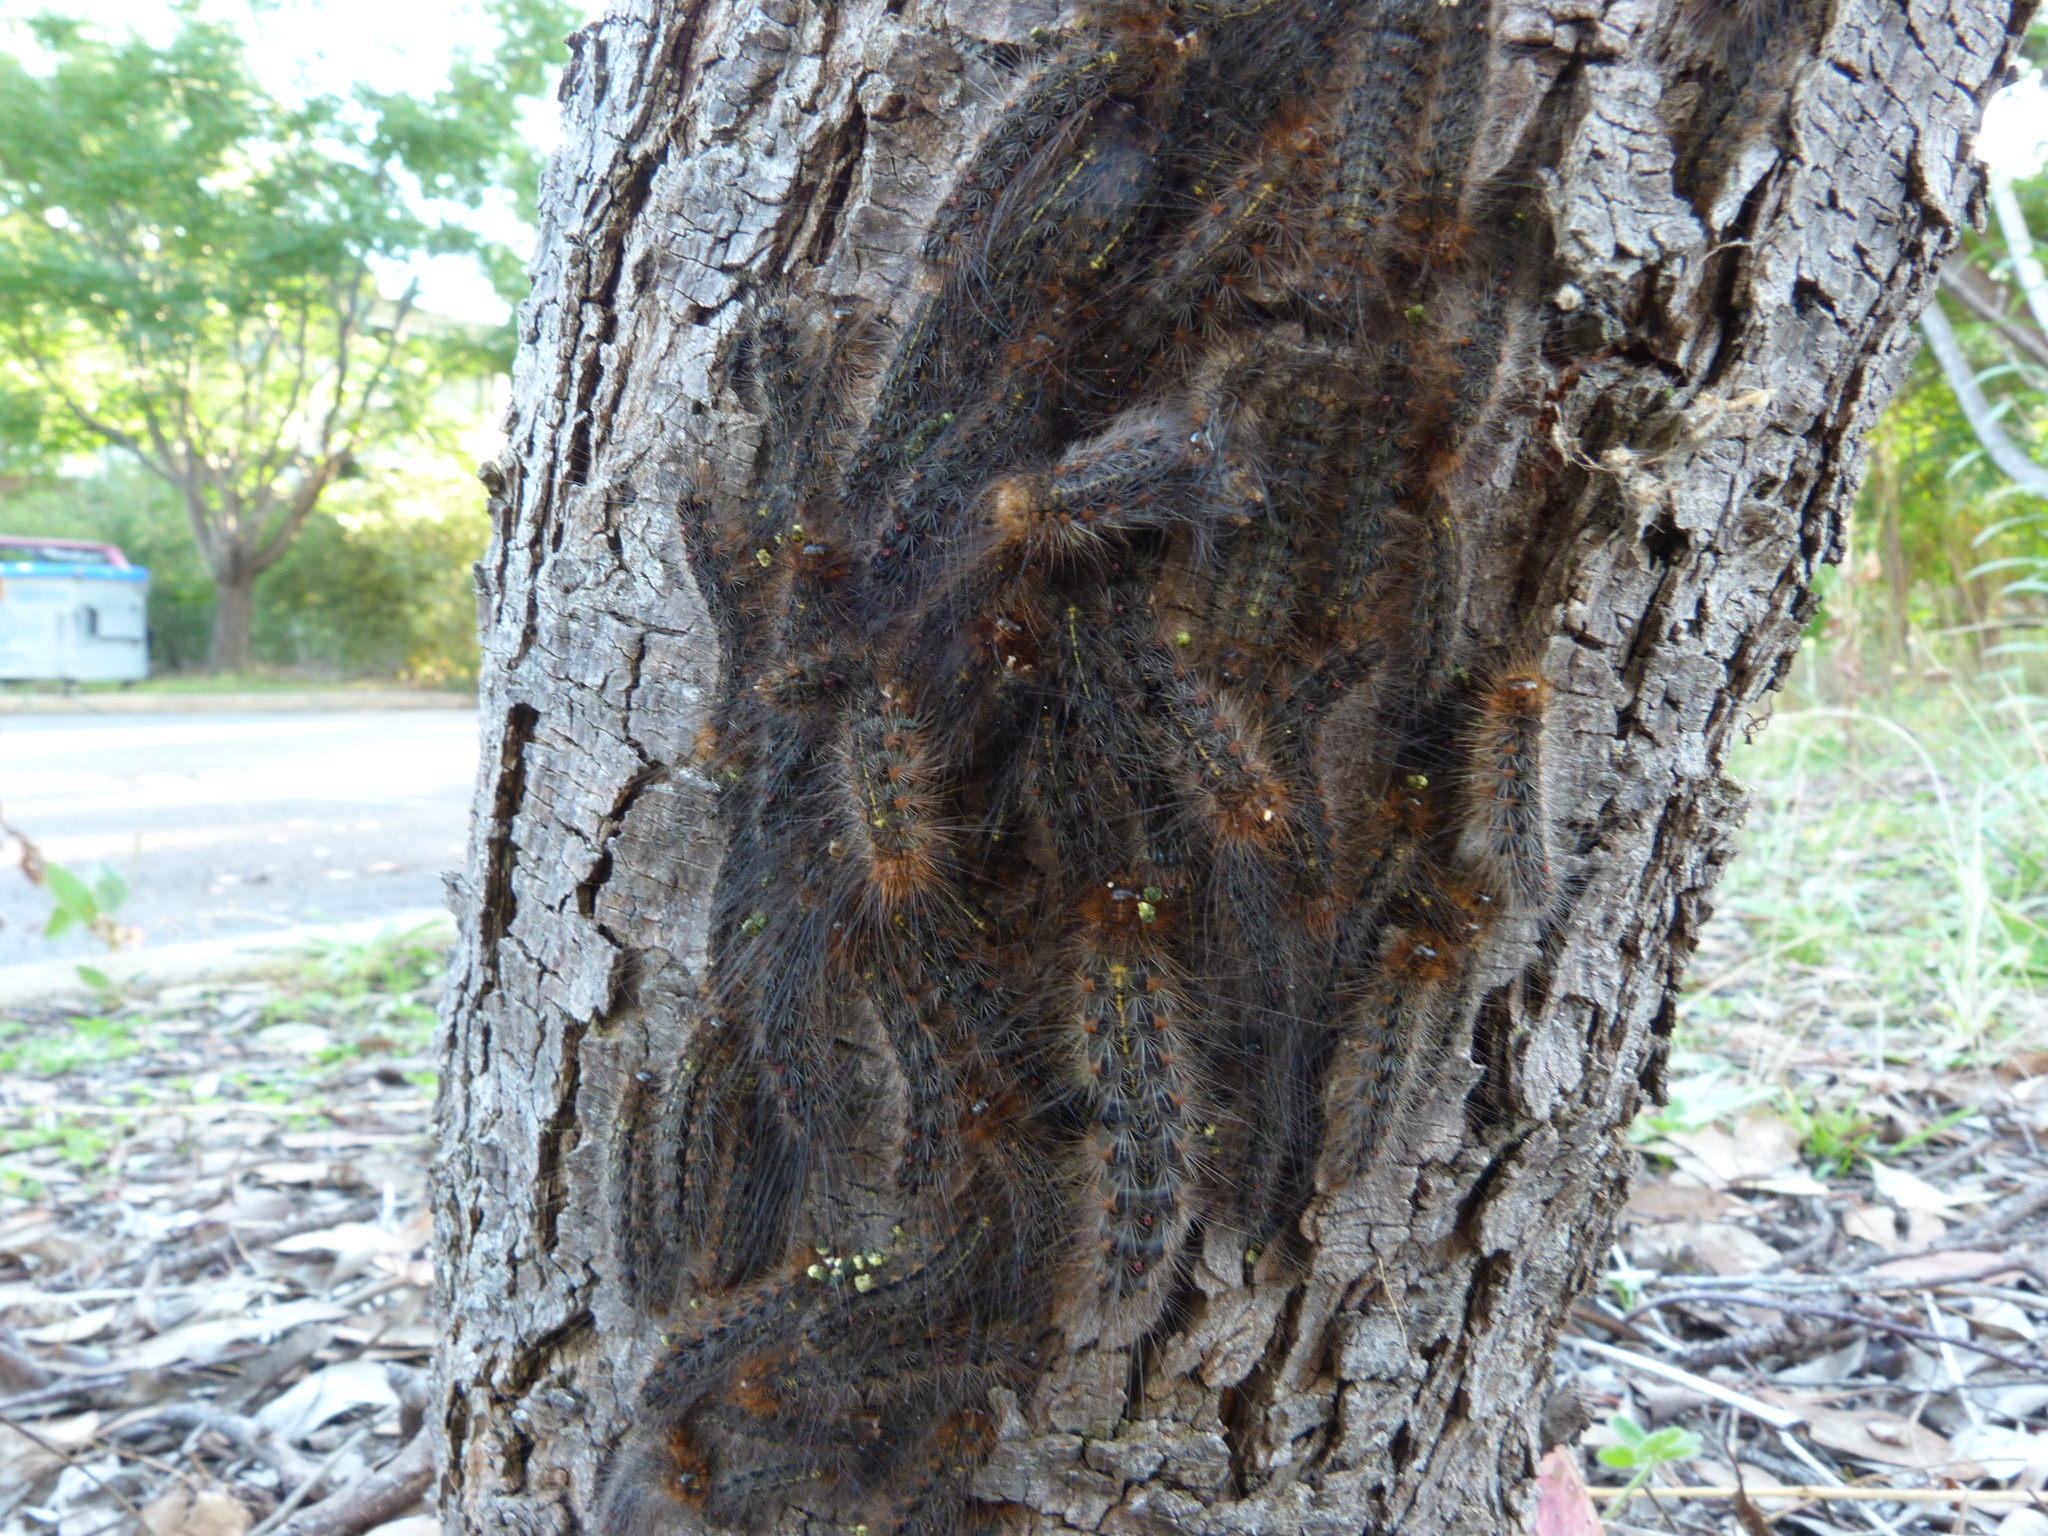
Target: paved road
235 824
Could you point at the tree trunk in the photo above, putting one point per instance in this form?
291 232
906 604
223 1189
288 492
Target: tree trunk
1723 224
234 616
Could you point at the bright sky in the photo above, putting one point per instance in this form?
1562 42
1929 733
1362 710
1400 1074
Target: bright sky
325 46
2015 137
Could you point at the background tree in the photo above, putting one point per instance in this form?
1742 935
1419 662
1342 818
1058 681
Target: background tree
1731 240
1949 544
191 267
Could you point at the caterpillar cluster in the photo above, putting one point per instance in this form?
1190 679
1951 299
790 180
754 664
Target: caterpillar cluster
1099 747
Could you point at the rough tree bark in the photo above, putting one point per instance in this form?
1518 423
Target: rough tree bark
1732 323
233 648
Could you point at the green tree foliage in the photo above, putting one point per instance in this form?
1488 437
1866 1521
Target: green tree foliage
188 269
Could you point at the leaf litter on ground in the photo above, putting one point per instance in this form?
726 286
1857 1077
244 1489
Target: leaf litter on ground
1842 1210
1831 1280
214 1266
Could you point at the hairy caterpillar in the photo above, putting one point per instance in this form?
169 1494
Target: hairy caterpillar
1101 752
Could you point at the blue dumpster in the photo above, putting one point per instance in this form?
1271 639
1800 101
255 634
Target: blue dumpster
73 610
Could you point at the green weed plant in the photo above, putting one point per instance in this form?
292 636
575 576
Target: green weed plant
1641 1452
93 904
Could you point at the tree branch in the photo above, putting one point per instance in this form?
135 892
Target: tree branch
1983 298
358 312
2026 270
265 553
2002 450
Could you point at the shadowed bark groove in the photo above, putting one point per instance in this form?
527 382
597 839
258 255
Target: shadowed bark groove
1737 212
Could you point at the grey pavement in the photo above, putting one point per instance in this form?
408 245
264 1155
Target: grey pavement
229 825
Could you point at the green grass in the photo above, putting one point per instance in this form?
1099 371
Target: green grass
367 993
370 995
1893 874
90 1042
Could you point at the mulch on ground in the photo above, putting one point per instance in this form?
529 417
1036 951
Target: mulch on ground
1824 1312
1832 1278
214 1281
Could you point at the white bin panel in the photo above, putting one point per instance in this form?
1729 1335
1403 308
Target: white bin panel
74 623
117 613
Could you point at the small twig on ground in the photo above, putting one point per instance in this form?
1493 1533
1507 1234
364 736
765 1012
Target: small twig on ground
1867 1285
1781 1338
70 1459
1907 1330
2015 1209
1814 1246
109 1381
1961 1157
1587 1311
298 1495
383 1496
245 1434
1821 1470
1983 1498
1769 1413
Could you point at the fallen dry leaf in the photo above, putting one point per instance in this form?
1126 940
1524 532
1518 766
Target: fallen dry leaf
1563 1507
420 1272
201 1343
327 1141
1946 1266
297 1172
349 1238
299 1039
251 1205
1677 1202
2022 1064
2004 1452
1912 1193
23 1461
1826 1370
1997 1319
1723 1247
1873 1435
356 1245
1801 1185
185 1511
23 1223
418 1336
326 1395
73 1330
1760 1145
37 1234
1874 1224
